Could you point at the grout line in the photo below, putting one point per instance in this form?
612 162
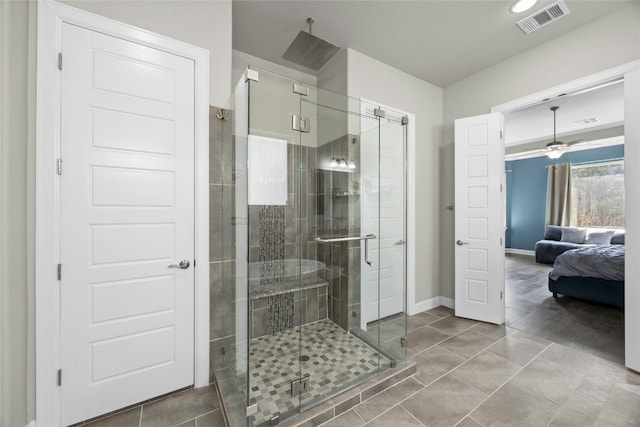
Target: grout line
509 379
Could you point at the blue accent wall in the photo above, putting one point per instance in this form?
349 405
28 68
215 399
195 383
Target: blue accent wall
526 194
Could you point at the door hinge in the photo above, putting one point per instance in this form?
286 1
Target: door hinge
59 167
59 377
253 75
501 188
300 89
299 386
500 294
501 241
59 271
404 120
300 123
194 263
60 61
500 134
379 112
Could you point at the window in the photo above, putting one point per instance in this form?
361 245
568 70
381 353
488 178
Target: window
598 194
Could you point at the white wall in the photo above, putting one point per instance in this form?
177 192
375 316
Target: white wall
205 24
605 43
17 142
379 82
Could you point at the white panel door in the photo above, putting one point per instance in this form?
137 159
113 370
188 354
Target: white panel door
383 213
479 224
127 208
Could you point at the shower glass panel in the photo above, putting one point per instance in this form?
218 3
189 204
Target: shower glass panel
319 229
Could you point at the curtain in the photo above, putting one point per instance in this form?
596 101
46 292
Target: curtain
559 195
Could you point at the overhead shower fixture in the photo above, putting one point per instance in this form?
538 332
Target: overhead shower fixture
310 51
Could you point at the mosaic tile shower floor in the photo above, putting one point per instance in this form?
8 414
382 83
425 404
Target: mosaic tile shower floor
336 360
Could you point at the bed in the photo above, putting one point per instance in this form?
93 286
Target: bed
592 273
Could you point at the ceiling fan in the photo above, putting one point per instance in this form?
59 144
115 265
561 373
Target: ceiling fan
554 149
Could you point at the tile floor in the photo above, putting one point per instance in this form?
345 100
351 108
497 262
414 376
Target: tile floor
477 374
468 374
539 369
187 408
530 307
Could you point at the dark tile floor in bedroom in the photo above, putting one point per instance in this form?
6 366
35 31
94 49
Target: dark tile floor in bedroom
476 374
593 328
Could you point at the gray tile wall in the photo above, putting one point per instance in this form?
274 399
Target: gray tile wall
338 202
221 243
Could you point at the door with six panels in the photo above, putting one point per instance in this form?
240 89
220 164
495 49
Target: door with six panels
127 222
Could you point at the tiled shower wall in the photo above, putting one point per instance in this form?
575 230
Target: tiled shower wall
300 225
316 205
338 200
222 253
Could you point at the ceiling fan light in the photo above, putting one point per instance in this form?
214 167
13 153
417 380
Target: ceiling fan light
522 5
554 154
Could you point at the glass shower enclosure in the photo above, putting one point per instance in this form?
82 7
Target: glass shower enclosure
314 295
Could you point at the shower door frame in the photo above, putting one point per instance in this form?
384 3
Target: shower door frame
410 203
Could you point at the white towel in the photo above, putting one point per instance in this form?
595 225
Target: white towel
267 160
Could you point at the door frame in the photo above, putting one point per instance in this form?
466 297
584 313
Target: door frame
631 74
51 16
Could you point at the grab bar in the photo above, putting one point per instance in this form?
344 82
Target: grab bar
345 239
351 239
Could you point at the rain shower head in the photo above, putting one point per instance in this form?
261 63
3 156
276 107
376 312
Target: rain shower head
310 51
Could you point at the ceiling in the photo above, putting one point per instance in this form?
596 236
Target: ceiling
574 118
440 42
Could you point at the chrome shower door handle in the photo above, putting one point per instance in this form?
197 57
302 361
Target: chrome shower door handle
460 243
184 264
366 247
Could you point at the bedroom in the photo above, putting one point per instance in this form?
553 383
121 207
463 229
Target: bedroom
590 124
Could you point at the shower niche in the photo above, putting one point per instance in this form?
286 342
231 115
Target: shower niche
308 276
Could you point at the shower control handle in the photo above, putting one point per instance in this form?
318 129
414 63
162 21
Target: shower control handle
184 264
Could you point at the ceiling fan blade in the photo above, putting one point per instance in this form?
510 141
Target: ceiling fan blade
577 141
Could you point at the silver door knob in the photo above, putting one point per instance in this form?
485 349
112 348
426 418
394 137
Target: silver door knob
184 264
460 243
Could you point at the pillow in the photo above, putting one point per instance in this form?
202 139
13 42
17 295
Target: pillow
573 235
553 232
618 238
598 237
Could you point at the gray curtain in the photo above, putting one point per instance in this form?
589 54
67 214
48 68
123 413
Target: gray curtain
559 195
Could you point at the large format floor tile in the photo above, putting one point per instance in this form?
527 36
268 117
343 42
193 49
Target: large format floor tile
530 307
514 406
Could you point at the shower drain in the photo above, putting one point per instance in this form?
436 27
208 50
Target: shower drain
304 358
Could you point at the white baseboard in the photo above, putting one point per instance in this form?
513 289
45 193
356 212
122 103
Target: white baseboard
448 302
32 423
519 251
431 303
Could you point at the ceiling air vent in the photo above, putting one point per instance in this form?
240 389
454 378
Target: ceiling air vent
543 17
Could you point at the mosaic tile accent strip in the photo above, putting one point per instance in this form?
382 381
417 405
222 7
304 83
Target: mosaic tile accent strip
280 309
271 219
337 360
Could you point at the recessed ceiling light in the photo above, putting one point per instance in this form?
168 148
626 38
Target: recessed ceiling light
521 5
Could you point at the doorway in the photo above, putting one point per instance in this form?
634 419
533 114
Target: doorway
590 151
631 74
121 121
